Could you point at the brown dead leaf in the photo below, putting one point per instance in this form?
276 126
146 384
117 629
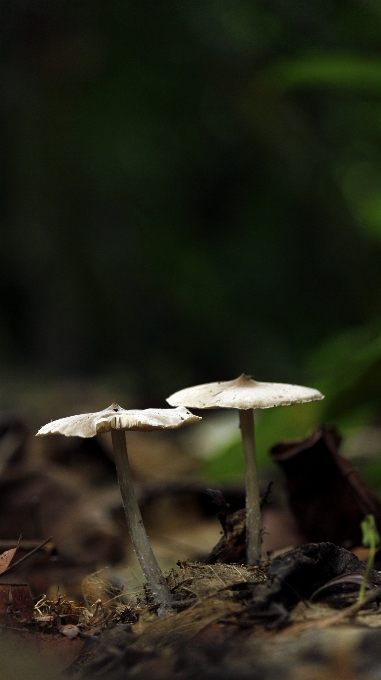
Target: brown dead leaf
6 558
326 494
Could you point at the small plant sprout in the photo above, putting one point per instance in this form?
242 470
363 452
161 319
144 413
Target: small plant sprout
117 420
370 539
245 395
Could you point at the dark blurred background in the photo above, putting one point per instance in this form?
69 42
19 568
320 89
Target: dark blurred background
190 190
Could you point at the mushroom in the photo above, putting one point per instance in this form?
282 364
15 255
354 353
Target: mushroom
116 420
246 394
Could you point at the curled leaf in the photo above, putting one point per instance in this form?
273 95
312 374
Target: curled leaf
353 579
326 494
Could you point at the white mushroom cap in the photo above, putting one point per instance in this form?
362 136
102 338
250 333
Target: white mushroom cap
243 393
117 418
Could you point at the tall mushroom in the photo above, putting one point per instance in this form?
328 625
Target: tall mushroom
116 420
246 394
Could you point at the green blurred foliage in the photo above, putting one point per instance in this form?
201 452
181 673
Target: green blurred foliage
190 190
348 371
272 425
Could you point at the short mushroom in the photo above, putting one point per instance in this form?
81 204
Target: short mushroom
246 394
116 420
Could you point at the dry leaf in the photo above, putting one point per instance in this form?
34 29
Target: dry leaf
326 494
6 558
69 630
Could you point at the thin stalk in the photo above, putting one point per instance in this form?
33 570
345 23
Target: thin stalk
253 511
364 581
369 565
147 559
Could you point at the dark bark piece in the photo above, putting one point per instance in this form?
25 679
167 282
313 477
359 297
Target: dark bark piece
4 601
326 494
294 577
231 548
22 602
16 604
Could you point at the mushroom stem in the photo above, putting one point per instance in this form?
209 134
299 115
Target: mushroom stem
147 559
253 510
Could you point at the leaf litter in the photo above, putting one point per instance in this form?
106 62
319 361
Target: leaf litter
231 622
240 622
241 616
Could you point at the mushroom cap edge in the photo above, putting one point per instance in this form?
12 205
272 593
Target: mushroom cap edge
243 393
114 417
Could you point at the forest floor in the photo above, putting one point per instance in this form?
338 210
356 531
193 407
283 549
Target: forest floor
231 622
